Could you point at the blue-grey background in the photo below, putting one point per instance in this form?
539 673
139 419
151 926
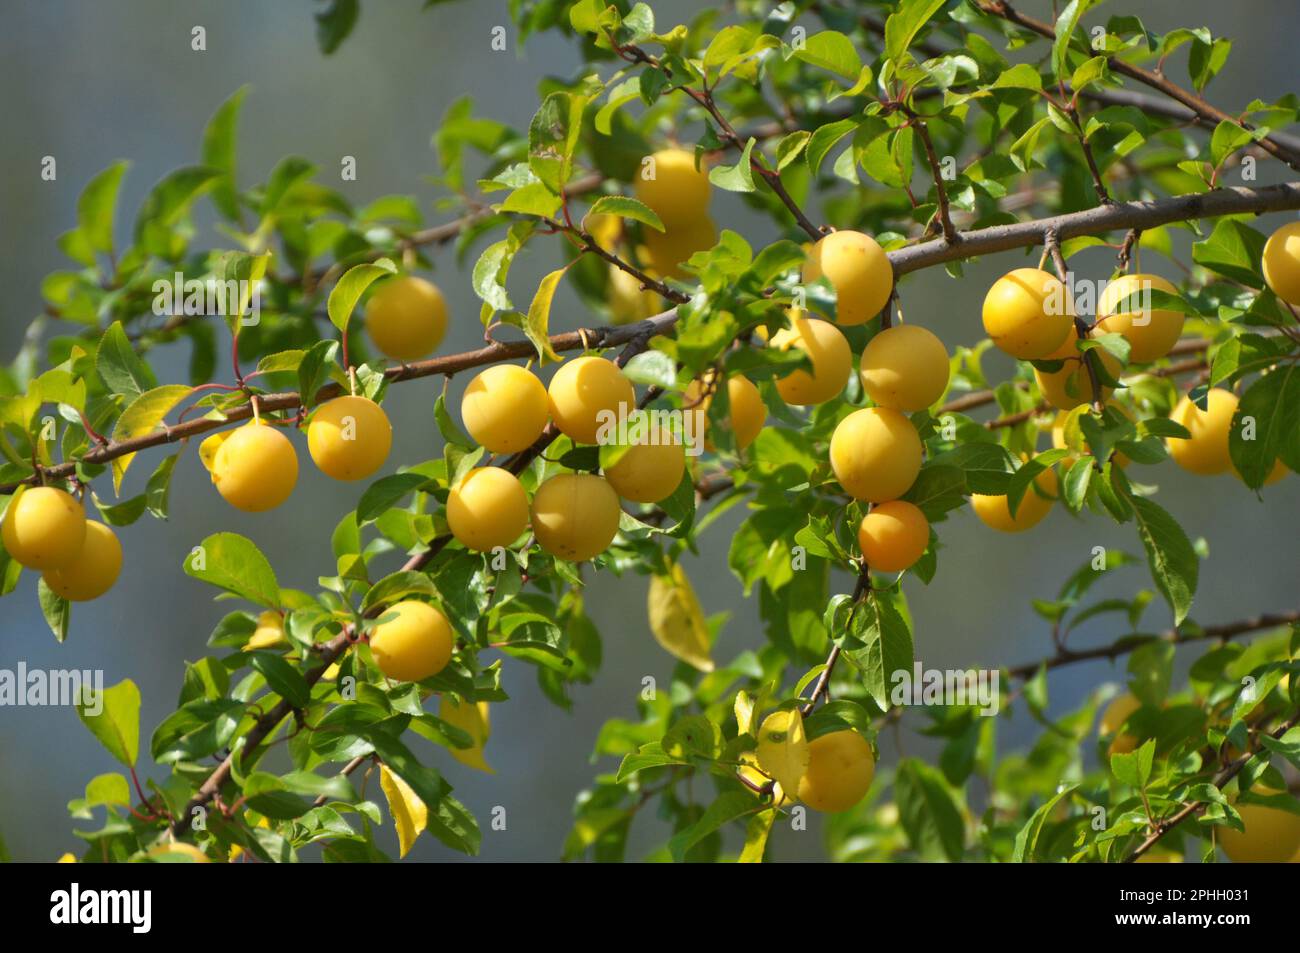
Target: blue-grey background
91 82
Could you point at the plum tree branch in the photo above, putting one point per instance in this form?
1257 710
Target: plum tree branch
1121 647
1157 81
1120 216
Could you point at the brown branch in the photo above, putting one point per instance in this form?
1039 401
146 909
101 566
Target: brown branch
1125 215
1114 650
1106 218
950 234
823 686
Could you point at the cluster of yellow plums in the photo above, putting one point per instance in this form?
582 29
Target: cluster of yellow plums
1271 835
45 528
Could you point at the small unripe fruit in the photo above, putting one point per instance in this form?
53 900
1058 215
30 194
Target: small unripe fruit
505 408
44 528
876 454
1112 720
827 349
1028 314
627 302
1071 386
839 772
905 368
487 508
1151 334
1206 451
746 411
349 437
406 317
269 631
255 468
412 642
665 252
858 270
1281 261
584 387
649 472
673 187
94 570
575 516
893 536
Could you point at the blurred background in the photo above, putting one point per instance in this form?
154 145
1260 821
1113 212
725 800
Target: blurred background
89 83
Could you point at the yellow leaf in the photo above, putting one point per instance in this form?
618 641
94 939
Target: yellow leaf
473 720
67 859
209 447
409 813
538 320
141 417
744 713
676 619
783 748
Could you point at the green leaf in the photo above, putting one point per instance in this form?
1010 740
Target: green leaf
537 323
1266 414
738 177
928 811
56 609
905 23
232 562
113 716
121 369
219 149
1232 250
142 416
166 204
285 680
1065 27
625 207
728 807
1026 849
335 22
387 492
1170 555
756 834
879 644
553 137
97 205
347 292
823 141
832 51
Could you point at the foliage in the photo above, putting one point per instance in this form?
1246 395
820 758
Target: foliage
852 114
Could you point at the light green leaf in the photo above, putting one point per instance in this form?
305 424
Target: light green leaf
113 716
347 292
232 562
142 416
97 206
